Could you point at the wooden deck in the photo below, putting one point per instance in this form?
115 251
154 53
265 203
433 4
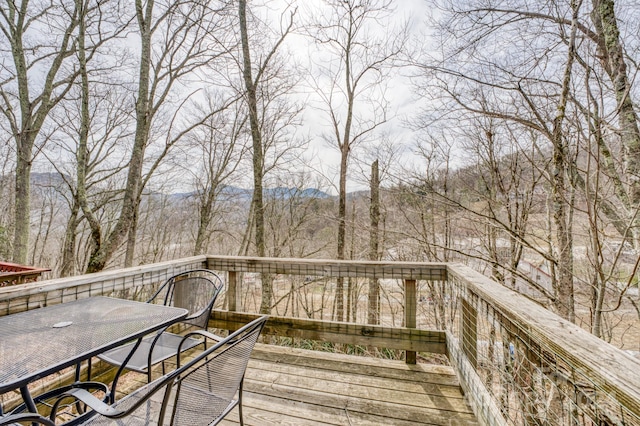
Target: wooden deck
285 386
317 388
297 387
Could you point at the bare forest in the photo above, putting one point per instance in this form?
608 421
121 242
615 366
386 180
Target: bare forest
501 134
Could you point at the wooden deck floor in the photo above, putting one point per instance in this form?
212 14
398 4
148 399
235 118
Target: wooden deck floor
285 386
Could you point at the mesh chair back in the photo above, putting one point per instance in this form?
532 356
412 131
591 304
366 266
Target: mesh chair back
195 291
205 393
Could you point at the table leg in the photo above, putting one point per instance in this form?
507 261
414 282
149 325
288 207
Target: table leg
28 400
122 366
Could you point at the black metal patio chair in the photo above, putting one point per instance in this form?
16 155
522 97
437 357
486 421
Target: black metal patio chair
202 391
194 290
24 419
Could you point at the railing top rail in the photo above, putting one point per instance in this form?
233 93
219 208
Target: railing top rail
330 267
34 288
611 369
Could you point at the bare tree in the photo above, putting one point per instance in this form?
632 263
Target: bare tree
221 146
602 109
560 180
37 40
373 316
425 201
614 60
174 44
261 92
295 215
351 85
96 139
91 164
538 100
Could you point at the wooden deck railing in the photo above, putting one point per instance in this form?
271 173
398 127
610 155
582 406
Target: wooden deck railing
518 363
42 293
526 365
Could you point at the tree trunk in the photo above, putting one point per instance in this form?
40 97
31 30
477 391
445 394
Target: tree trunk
564 295
131 238
203 225
23 200
82 153
342 229
374 214
105 251
611 53
258 160
32 113
345 148
68 266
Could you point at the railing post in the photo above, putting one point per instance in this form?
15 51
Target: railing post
410 314
469 319
233 291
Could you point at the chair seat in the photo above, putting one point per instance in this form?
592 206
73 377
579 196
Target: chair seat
197 406
165 347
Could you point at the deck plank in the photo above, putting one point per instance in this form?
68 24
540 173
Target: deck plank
373 377
275 372
431 373
267 410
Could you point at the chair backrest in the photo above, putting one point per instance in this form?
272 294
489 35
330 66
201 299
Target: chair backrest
204 392
194 290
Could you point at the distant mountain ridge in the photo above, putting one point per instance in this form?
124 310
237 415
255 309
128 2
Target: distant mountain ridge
277 192
54 180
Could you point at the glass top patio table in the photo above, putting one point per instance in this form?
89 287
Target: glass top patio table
36 343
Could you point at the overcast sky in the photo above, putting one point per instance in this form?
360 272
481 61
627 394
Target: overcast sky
325 158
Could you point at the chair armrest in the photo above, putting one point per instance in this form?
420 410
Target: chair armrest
217 339
204 333
94 403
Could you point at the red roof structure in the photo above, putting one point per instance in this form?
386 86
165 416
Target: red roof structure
12 274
